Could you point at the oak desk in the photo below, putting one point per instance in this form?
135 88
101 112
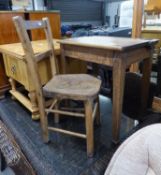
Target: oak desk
16 70
119 53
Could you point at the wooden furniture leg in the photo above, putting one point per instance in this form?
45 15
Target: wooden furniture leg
33 100
159 76
56 115
118 90
98 117
147 65
89 127
13 86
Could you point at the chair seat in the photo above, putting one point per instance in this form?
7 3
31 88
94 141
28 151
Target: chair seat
81 86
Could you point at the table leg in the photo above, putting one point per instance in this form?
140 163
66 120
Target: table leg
147 65
159 76
34 105
13 86
118 90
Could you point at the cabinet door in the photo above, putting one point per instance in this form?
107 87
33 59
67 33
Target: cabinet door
8 35
8 32
54 18
16 69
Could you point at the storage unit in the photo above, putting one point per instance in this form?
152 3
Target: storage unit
16 70
8 34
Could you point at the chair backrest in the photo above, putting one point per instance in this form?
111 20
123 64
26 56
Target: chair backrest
32 59
22 26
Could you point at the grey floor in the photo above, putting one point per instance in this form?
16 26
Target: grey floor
64 155
64 151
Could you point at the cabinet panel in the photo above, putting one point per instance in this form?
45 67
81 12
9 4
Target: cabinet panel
45 74
8 32
16 69
54 18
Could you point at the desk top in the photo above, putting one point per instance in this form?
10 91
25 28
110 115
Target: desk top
16 50
111 43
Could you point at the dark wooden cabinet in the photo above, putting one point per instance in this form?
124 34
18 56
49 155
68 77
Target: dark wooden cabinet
8 34
54 18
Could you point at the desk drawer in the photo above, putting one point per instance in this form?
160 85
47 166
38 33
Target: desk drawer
15 68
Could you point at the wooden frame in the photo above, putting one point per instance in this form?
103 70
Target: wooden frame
118 53
136 26
88 99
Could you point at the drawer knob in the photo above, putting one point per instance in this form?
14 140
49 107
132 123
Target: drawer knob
13 69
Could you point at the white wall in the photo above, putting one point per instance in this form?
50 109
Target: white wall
19 5
39 5
111 10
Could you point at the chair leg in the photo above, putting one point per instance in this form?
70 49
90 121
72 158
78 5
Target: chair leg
44 125
89 127
98 116
56 116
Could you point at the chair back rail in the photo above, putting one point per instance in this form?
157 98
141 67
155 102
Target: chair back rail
29 25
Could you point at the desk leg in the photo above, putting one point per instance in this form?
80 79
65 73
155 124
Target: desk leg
34 105
118 90
147 65
30 103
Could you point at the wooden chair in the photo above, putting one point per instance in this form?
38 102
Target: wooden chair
79 87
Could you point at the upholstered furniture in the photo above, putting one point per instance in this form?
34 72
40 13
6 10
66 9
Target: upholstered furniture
139 154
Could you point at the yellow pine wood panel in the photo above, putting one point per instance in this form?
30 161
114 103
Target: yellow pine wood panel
16 50
17 69
44 71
